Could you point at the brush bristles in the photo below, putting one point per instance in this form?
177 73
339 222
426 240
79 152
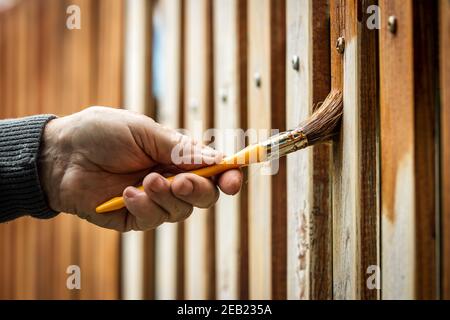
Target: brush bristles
325 121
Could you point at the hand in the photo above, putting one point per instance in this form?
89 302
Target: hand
99 153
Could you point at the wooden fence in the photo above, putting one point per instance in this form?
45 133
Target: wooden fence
366 216
47 68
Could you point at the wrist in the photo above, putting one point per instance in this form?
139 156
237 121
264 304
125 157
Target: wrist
50 171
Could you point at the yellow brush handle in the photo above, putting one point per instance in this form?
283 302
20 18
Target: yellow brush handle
251 154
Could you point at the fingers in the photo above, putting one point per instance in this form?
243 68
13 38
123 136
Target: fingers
145 212
162 201
230 182
158 189
198 191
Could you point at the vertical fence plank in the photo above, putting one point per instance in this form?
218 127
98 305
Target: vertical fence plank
260 188
445 142
149 109
309 197
346 212
243 99
355 211
267 194
368 161
167 16
199 230
137 278
407 57
345 159
228 72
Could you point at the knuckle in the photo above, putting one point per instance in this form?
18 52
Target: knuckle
211 201
187 213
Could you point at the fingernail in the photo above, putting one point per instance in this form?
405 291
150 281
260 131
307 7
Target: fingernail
186 188
131 192
157 184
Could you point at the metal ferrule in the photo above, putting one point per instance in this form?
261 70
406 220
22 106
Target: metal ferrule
284 143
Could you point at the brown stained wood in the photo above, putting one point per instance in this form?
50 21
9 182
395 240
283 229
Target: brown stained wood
407 106
336 30
109 82
20 110
444 33
198 104
278 100
79 50
31 93
209 121
322 264
149 256
181 259
52 74
368 151
426 82
309 197
355 210
243 97
267 207
50 101
110 40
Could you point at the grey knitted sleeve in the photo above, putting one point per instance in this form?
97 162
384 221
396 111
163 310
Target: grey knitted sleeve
20 191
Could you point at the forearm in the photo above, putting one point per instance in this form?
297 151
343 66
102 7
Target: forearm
20 190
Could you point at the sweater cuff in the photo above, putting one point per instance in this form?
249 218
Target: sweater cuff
20 189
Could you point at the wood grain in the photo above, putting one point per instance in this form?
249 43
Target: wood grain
344 215
407 151
355 210
309 184
444 33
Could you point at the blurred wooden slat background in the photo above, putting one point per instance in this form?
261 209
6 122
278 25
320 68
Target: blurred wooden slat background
199 116
230 77
266 110
375 199
47 68
168 21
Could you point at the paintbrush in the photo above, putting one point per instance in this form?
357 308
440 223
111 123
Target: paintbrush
321 126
